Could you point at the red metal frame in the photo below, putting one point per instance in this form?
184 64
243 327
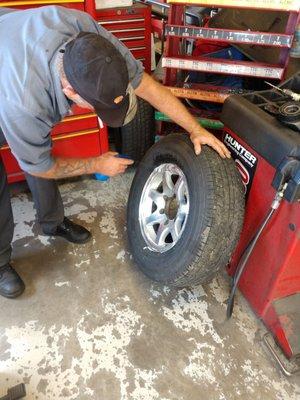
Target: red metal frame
176 14
158 26
284 57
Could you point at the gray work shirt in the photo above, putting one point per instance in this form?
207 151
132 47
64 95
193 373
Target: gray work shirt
31 98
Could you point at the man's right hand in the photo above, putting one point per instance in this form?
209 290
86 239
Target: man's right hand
109 164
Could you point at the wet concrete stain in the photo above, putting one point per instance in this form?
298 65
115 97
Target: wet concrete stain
91 326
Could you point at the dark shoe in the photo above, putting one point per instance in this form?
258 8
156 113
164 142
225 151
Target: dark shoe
72 232
11 285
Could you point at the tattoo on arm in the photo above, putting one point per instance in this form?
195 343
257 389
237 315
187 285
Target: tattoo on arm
67 167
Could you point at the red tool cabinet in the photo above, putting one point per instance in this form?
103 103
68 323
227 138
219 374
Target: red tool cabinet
131 25
77 135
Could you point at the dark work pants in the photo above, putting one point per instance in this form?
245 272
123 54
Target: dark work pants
48 204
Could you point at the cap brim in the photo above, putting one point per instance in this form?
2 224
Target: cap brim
122 115
113 117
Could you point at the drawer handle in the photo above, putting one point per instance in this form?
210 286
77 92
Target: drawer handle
67 136
132 38
127 30
78 117
123 21
137 48
75 134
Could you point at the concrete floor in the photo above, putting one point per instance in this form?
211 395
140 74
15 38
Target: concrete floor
91 326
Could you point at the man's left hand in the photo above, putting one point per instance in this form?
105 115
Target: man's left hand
205 137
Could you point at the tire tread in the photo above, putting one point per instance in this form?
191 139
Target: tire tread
138 136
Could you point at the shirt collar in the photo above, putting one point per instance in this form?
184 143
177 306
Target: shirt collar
62 101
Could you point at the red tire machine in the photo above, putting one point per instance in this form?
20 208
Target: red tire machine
263 133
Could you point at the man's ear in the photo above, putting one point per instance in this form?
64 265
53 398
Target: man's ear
69 91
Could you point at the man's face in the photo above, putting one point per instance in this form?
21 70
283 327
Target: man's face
70 93
81 102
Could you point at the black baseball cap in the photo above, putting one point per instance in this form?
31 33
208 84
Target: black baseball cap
98 73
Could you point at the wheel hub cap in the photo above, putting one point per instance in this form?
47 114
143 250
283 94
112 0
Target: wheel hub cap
171 207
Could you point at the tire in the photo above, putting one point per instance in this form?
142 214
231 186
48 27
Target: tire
135 138
211 191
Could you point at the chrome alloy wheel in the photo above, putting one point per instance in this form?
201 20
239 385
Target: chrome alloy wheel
164 207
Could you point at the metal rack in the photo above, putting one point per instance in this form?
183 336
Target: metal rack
177 31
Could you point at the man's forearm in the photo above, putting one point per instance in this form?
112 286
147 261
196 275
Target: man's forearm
162 99
106 164
68 167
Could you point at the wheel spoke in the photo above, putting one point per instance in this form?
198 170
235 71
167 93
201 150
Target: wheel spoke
175 230
168 185
155 218
157 198
179 189
178 223
161 235
179 217
183 209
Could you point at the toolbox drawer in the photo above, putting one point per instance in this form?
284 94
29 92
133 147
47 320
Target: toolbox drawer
77 135
132 26
14 173
75 122
78 144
